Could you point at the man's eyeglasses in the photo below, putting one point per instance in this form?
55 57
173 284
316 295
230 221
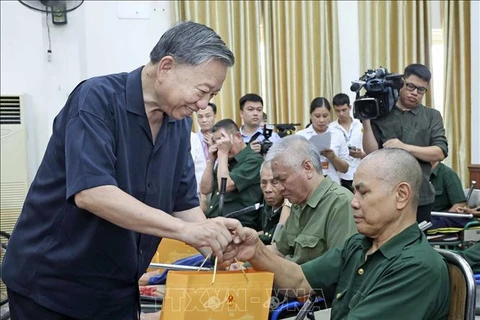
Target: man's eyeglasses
411 87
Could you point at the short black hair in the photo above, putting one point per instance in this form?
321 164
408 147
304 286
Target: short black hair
318 103
340 99
418 70
214 107
250 97
227 124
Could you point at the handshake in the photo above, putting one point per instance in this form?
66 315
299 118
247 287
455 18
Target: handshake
226 238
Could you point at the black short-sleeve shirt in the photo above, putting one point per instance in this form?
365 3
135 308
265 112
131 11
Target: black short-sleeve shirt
68 259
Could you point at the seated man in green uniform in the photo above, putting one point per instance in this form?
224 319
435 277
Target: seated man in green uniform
472 255
276 208
241 166
449 194
389 270
321 217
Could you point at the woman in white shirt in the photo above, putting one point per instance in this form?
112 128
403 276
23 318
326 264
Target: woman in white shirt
334 160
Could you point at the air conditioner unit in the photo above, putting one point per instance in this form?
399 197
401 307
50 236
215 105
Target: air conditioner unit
14 172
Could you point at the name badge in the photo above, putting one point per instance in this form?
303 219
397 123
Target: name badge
324 165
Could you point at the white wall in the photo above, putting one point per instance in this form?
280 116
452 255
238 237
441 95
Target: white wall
100 37
114 36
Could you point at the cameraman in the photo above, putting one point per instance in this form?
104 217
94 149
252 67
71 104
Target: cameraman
251 112
413 127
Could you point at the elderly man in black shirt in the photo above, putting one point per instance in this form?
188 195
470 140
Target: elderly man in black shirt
276 208
413 127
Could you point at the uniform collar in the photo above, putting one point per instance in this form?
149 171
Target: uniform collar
245 136
244 154
319 192
415 110
435 171
394 246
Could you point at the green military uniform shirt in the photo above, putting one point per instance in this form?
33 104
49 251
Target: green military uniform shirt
324 222
472 255
405 279
420 126
244 170
448 188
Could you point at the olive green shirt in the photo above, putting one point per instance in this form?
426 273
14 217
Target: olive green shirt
324 222
448 188
244 170
420 126
472 255
405 279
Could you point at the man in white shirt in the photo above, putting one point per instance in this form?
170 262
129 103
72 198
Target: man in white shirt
206 119
251 112
198 159
352 131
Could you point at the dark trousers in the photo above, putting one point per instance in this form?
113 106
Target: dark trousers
448 222
23 308
347 184
424 213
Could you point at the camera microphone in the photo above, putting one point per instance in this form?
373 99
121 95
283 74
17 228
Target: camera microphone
355 86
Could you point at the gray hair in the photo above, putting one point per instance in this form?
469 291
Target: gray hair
392 166
293 150
266 165
192 43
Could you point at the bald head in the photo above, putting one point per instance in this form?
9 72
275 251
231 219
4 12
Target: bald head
392 166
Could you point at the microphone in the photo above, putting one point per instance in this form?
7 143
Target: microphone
355 86
245 210
221 200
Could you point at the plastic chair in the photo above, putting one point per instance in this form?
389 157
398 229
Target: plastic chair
462 287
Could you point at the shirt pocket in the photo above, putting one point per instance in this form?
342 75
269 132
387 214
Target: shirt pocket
438 192
356 299
418 135
307 247
307 241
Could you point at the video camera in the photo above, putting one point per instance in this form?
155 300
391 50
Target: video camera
265 144
286 129
381 93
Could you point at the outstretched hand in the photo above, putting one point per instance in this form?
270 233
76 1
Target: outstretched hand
467 210
244 250
217 234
